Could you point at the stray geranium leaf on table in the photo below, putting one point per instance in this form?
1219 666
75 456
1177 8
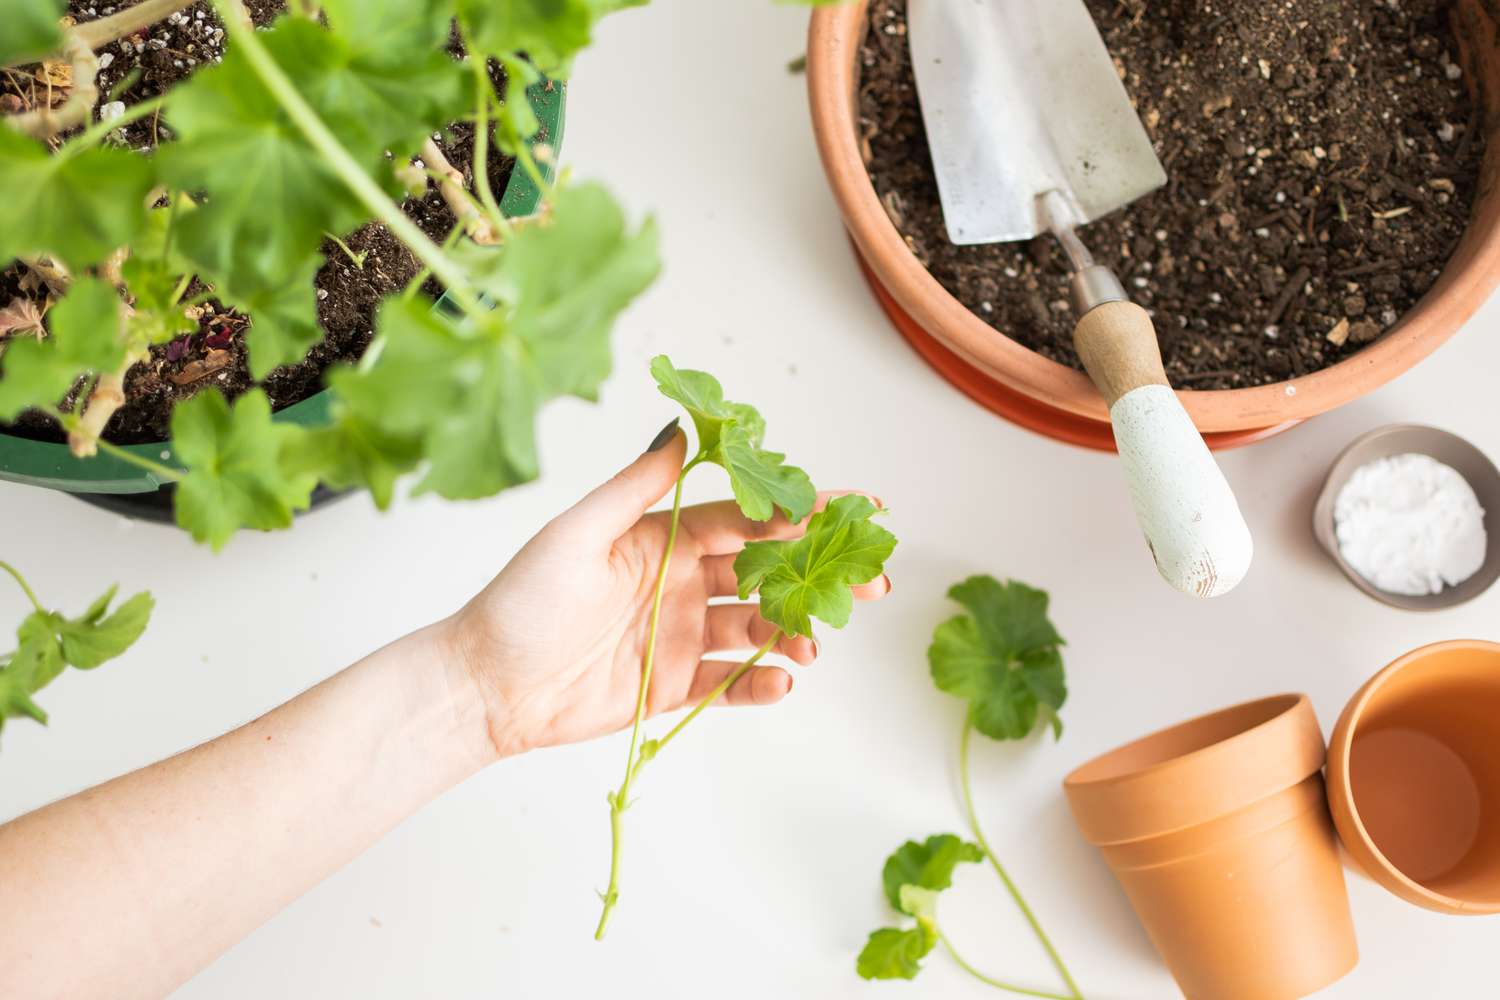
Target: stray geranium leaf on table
1004 657
913 877
927 864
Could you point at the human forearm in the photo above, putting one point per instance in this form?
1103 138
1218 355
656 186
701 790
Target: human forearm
127 889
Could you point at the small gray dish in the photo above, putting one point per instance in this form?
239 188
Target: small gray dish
1450 449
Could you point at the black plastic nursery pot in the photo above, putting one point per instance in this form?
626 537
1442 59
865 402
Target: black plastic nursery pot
118 485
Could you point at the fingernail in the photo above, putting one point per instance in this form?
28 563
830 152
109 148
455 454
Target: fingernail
666 434
791 681
816 648
887 582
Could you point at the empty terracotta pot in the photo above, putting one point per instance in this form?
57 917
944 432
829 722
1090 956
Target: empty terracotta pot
1414 777
1061 402
1218 830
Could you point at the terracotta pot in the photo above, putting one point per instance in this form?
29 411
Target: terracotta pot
1218 830
1056 397
1414 777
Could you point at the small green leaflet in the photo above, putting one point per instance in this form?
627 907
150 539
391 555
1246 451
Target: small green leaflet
84 337
236 477
48 641
78 205
31 30
811 576
912 878
1003 656
929 865
894 953
283 318
730 435
155 317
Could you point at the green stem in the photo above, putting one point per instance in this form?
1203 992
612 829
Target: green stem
1010 886
21 580
341 162
482 97
717 692
620 800
1010 987
415 284
163 472
357 259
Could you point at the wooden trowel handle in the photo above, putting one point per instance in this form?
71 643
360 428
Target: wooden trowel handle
1183 503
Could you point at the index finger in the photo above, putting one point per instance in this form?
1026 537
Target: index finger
721 529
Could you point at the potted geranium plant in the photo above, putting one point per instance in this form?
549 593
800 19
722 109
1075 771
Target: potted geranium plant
281 142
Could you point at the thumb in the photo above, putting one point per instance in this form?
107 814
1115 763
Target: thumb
610 510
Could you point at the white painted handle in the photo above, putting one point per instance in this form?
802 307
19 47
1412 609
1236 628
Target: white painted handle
1186 508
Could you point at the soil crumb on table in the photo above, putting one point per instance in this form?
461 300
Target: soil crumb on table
349 288
1322 156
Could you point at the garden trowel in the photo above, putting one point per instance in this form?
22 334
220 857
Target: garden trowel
1031 131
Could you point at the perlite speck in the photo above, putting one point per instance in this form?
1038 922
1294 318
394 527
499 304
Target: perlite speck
1410 525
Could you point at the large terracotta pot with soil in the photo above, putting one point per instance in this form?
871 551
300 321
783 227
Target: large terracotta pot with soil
1348 271
369 264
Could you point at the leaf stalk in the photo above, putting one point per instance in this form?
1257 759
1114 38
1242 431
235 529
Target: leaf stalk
1010 885
620 800
15 575
998 984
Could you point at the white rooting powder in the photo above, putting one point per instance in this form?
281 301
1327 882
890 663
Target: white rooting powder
1410 525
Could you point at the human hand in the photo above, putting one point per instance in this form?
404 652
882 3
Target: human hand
554 643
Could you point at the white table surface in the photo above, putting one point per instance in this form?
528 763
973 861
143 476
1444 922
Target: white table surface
753 858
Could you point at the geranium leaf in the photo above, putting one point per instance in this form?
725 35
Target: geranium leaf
560 284
78 205
468 388
1003 657
94 638
550 32
49 641
466 391
283 317
894 953
155 317
235 474
810 576
31 30
85 337
928 865
350 453
730 435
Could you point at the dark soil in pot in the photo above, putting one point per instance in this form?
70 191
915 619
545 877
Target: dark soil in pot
1322 159
349 292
